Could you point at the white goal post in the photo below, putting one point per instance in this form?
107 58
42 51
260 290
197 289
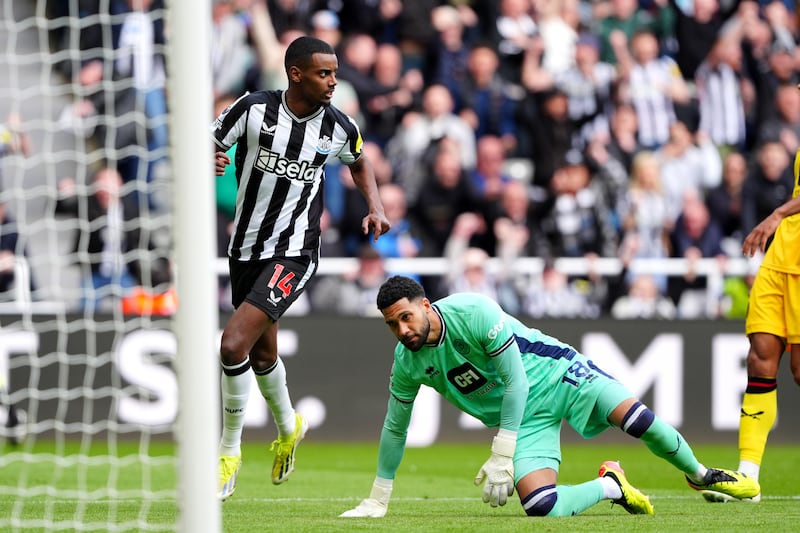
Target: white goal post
86 443
197 317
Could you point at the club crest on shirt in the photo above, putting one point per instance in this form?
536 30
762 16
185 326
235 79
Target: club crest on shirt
324 145
461 346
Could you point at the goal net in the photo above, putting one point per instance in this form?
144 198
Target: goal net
96 422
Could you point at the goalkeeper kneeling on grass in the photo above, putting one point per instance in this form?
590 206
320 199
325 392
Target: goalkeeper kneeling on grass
493 367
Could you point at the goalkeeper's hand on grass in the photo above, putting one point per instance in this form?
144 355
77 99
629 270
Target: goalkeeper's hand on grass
376 505
498 470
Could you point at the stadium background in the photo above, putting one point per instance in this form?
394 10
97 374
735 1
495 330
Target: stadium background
690 372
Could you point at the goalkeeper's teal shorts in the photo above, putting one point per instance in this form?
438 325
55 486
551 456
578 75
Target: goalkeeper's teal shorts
586 404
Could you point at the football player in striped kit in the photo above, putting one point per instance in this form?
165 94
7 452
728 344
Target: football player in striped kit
284 139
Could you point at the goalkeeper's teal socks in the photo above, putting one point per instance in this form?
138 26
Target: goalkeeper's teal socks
574 499
664 441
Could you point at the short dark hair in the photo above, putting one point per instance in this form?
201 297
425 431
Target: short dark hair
396 288
299 52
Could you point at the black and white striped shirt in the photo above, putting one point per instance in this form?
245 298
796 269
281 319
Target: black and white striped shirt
280 166
649 92
721 104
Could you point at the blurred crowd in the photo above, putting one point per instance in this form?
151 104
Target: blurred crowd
503 129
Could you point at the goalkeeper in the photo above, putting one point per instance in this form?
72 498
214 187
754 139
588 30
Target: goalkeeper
523 382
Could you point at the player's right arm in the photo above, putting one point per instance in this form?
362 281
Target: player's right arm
756 240
390 453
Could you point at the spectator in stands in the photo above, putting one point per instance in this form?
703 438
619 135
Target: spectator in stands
231 54
140 57
379 18
768 184
589 84
402 240
626 19
725 201
325 27
116 253
469 271
351 293
784 125
547 133
289 14
106 115
651 83
696 29
419 134
489 176
513 30
356 64
448 193
688 161
576 221
269 47
534 78
448 64
724 94
555 296
516 232
624 145
412 30
695 236
643 300
558 23
384 112
487 104
644 213
772 67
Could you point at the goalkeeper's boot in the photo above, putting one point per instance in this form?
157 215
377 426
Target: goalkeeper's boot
632 499
721 485
284 448
228 473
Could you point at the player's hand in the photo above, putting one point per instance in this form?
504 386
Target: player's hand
376 505
377 223
498 471
221 160
756 240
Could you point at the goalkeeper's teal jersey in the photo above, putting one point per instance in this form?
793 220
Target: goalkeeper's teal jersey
479 347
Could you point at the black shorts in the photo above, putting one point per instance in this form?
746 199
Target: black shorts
271 285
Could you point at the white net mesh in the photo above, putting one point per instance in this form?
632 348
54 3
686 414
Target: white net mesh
88 395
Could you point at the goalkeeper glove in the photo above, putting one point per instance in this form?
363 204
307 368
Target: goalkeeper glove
376 505
498 470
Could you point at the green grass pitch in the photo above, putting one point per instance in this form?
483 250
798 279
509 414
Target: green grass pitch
433 492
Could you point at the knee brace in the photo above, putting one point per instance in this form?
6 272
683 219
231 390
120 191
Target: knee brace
541 501
637 420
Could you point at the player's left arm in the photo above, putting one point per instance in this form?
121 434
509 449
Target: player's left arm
390 450
498 470
364 178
